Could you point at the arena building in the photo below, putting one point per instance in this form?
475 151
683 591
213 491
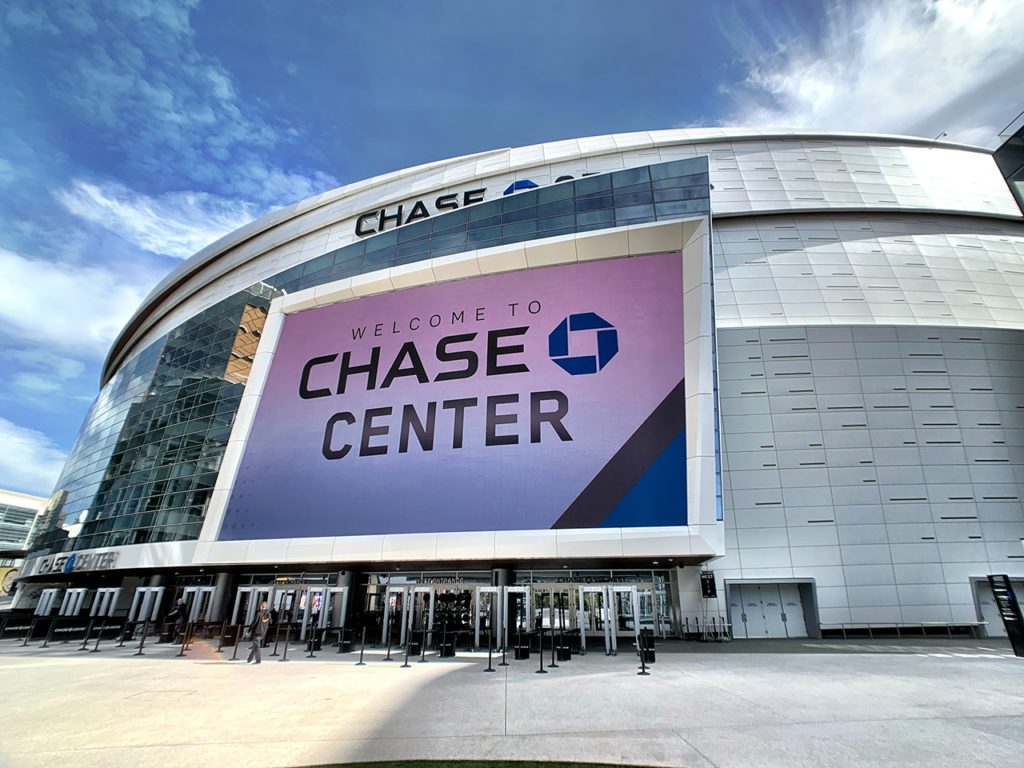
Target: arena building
559 383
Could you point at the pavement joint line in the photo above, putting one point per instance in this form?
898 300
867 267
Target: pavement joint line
694 747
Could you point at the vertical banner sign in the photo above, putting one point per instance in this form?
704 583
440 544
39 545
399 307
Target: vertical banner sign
538 399
707 584
1009 611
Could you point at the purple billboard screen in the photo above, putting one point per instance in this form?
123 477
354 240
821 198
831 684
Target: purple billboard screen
545 398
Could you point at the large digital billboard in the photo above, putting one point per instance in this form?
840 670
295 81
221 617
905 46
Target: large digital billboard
544 398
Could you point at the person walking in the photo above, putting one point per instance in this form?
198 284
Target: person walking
258 630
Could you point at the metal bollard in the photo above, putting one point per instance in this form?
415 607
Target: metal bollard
287 640
362 647
142 640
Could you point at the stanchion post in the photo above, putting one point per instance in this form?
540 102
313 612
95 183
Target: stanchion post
287 640
540 652
88 633
553 643
277 639
388 619
642 650
362 647
423 643
407 664
49 634
99 634
124 631
238 637
490 650
142 640
312 645
31 629
184 641
223 629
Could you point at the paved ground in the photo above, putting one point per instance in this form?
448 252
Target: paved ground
747 703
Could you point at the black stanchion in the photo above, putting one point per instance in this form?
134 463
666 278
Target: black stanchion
239 634
124 631
362 647
184 641
49 634
31 629
142 640
287 639
423 643
223 629
490 650
388 657
553 644
643 661
312 645
88 633
406 664
540 652
99 634
341 638
277 639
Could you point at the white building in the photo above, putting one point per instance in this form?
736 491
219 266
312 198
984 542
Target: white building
794 359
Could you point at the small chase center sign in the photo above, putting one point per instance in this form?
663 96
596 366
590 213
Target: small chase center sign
546 398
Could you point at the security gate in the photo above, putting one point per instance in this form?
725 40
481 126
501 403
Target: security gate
608 611
105 602
146 604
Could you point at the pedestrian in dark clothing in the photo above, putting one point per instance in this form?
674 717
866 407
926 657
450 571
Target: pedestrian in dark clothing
259 627
179 615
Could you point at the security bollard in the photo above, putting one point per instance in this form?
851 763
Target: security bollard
142 640
362 647
287 639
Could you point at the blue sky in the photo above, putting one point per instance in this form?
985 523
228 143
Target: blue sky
134 133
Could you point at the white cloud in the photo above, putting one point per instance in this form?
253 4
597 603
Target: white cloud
29 461
75 309
912 67
175 224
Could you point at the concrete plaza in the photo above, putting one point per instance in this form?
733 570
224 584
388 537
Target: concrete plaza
915 702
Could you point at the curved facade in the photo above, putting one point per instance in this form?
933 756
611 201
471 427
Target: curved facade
854 391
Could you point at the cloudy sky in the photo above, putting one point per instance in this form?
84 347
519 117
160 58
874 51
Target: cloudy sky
134 133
